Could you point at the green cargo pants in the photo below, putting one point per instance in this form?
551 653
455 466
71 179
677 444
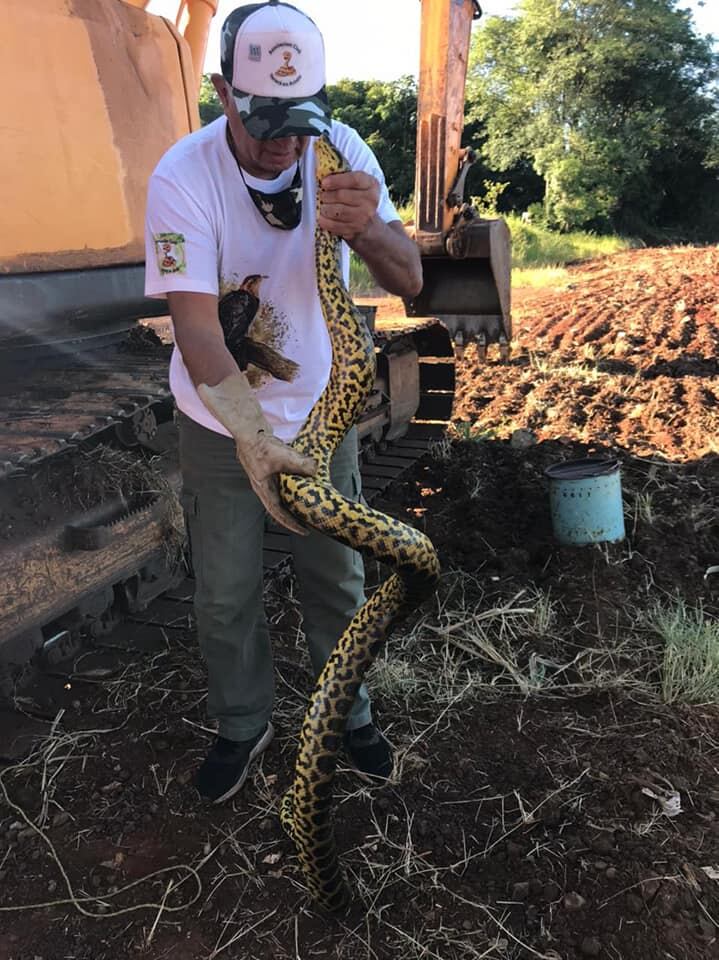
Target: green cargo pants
225 522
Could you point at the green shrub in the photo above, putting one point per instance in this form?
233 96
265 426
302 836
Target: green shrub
535 245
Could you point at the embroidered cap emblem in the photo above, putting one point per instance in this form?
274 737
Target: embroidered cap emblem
286 74
286 70
170 252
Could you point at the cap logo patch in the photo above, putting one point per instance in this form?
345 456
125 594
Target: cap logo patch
255 52
286 75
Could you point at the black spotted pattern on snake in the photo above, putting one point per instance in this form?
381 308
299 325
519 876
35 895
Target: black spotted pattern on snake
306 809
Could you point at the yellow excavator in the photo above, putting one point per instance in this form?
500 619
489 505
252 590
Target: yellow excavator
106 88
466 260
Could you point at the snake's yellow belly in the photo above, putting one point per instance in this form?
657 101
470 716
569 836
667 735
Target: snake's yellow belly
306 808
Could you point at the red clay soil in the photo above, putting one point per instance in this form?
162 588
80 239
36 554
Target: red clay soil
624 352
521 822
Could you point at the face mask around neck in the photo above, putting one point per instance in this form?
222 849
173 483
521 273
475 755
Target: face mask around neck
281 210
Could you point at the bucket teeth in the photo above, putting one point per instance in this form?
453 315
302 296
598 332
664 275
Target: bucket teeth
481 346
505 348
462 338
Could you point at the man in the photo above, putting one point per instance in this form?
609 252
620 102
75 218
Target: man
230 242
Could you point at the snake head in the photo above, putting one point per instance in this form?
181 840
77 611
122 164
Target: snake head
328 158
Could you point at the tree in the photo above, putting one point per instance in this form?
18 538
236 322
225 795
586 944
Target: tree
610 100
208 101
385 116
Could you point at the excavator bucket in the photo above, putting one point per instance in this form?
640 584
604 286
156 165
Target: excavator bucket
466 259
470 294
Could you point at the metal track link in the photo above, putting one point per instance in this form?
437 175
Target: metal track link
136 540
56 409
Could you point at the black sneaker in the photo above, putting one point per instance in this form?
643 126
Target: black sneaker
369 752
227 765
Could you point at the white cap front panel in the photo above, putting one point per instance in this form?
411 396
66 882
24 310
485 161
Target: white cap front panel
278 52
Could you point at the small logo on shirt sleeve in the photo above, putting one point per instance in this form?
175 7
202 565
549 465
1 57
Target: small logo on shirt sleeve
170 252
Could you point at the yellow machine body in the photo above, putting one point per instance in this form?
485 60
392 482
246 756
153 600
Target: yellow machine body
466 260
102 89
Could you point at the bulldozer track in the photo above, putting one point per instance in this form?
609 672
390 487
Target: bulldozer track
83 572
135 541
54 409
57 409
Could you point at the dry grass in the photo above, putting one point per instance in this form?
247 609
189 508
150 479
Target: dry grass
690 659
464 648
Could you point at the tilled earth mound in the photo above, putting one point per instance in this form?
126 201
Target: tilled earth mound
625 352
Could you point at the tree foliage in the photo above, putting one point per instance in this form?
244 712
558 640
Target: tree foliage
610 101
385 116
208 101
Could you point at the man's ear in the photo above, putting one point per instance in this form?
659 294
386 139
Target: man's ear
221 89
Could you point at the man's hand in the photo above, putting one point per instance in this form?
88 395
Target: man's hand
348 203
262 455
263 459
348 209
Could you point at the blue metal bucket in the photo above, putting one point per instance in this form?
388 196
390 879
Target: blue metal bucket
585 498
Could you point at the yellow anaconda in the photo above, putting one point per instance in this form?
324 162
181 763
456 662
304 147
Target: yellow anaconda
306 807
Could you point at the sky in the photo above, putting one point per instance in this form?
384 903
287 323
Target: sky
379 39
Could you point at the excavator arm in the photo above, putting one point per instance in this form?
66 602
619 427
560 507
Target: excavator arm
466 259
193 21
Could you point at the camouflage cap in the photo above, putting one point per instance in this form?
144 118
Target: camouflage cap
273 57
268 118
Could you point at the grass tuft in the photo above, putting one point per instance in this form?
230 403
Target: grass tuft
362 283
690 664
538 278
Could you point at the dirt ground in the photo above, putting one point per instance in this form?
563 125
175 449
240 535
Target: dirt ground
557 786
625 353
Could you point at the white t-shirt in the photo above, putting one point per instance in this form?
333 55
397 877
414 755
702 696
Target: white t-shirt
205 235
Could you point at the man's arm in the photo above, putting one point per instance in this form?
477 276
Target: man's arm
349 210
199 337
225 391
391 255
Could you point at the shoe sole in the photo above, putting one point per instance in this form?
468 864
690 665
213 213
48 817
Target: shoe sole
261 745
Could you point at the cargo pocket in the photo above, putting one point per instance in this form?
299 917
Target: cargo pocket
190 504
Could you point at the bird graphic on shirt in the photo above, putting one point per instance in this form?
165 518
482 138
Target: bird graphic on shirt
237 311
